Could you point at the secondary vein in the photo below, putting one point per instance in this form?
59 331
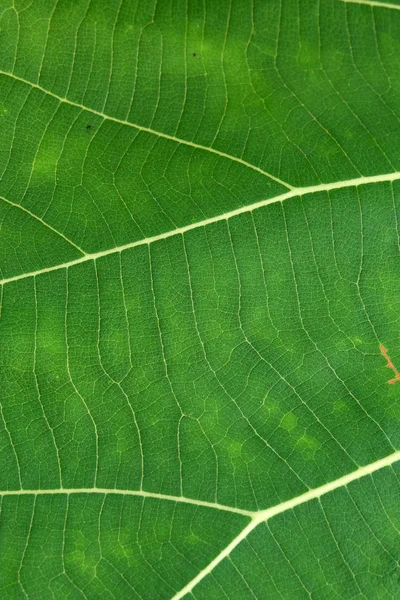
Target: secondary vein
259 515
31 214
264 515
388 177
148 129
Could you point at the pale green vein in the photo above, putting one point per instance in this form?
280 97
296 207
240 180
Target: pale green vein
264 515
47 225
324 187
258 515
119 492
149 130
372 3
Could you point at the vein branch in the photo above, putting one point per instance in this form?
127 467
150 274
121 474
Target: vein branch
259 515
31 214
300 191
265 515
374 3
148 129
122 492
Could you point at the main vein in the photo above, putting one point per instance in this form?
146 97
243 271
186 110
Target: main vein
325 187
264 515
257 516
148 129
374 3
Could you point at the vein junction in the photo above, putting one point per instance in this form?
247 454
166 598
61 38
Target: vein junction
324 187
264 515
147 129
257 516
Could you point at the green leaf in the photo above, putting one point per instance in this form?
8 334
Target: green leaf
200 299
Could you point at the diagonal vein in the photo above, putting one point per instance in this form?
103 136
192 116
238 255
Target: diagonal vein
374 3
257 517
147 129
265 515
31 214
325 187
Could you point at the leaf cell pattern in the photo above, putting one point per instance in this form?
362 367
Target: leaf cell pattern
199 275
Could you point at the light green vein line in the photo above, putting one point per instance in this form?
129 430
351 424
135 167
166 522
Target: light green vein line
148 129
138 493
388 177
31 214
373 3
257 517
264 515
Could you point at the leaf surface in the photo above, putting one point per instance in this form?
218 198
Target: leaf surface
199 270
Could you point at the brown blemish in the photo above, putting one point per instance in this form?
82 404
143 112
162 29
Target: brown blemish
390 365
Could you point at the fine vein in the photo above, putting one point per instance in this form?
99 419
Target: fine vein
264 515
47 225
256 517
148 129
324 187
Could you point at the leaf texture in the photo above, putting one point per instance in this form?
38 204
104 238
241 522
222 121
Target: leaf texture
200 284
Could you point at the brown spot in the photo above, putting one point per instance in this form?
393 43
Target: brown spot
390 365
